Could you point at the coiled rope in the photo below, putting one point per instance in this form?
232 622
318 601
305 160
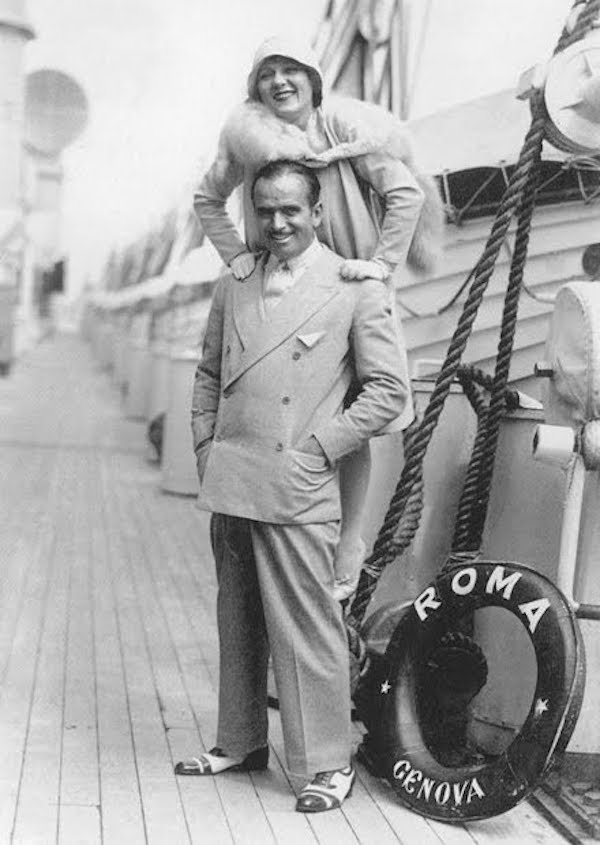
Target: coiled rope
401 520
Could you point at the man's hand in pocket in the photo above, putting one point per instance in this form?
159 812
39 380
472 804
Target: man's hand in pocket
202 453
311 446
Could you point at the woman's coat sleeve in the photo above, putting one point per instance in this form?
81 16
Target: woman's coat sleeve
222 178
386 167
207 381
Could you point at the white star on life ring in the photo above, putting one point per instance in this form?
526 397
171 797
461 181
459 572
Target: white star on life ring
386 687
541 706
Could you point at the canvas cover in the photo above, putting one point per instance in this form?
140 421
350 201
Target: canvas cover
573 352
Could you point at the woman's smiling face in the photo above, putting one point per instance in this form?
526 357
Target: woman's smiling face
285 87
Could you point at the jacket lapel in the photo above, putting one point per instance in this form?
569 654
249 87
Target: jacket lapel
259 335
246 301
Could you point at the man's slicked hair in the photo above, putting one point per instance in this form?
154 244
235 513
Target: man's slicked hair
286 166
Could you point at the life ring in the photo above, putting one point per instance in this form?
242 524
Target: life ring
391 696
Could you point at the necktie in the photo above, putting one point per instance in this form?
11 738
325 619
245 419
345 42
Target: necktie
278 282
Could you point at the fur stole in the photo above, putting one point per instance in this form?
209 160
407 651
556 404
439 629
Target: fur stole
342 128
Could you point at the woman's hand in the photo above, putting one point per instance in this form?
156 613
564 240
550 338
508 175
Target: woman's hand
242 265
356 270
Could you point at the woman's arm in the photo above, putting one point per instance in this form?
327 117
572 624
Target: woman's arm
401 198
384 161
207 381
224 175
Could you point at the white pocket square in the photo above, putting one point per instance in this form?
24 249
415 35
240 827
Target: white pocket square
310 338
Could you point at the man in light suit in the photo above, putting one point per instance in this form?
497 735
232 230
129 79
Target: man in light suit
269 427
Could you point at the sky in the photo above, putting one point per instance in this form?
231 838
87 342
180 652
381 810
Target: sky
161 75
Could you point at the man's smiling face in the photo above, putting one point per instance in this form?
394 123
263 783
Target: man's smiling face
286 219
285 87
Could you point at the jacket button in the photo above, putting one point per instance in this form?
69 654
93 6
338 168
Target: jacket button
226 393
228 350
295 356
218 438
285 400
279 447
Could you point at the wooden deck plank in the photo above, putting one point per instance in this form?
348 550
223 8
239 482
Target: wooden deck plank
80 825
21 512
19 680
169 637
120 803
369 824
40 786
452 834
245 814
204 812
164 820
80 786
408 826
146 559
522 824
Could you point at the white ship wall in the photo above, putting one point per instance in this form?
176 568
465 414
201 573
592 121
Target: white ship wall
559 236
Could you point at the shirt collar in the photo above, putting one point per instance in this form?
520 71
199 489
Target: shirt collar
301 262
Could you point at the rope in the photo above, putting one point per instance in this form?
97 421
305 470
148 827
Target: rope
386 547
584 23
475 497
412 312
505 350
470 377
520 193
461 541
410 517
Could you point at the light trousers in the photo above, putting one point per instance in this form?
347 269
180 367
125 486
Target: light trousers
276 593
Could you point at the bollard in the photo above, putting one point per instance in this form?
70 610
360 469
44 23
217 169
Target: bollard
178 462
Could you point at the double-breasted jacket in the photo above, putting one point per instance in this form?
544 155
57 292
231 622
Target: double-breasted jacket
266 383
